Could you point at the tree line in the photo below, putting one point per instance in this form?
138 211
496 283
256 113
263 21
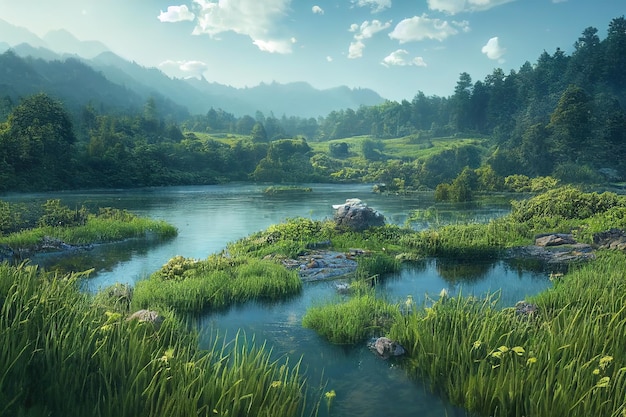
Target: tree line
563 116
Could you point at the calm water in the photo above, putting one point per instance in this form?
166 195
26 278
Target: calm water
209 217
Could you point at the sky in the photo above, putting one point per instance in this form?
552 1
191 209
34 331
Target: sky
396 48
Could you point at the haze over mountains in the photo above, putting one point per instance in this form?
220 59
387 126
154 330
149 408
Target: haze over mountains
87 71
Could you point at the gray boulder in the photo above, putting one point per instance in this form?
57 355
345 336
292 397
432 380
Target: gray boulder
356 215
147 316
386 347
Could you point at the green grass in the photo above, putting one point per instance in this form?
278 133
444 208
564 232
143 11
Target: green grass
566 361
398 148
62 355
96 230
191 286
351 321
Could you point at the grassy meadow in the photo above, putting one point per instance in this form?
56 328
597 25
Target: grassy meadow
62 354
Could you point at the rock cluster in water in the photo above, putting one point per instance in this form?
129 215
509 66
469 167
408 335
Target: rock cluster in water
323 264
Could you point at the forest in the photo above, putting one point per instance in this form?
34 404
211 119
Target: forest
562 117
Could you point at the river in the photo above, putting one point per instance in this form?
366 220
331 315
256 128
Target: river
209 217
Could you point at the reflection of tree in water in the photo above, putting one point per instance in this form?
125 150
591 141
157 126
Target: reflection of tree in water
535 265
101 257
455 271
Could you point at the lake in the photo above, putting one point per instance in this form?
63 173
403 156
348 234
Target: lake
209 217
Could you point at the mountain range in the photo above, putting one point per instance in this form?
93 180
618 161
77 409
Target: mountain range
82 72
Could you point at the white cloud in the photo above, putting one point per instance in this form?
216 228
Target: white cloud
422 27
317 10
176 14
355 50
365 31
279 47
458 6
400 58
253 18
375 5
493 50
184 68
329 58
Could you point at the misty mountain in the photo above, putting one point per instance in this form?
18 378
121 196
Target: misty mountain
14 35
62 41
198 96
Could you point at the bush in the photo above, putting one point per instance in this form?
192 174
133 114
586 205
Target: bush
565 203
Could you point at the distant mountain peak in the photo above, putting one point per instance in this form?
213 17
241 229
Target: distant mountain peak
62 41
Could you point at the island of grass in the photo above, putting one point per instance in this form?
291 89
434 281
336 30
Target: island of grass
286 189
56 227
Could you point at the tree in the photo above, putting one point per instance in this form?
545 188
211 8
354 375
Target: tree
616 53
571 124
587 60
258 133
462 104
245 125
40 138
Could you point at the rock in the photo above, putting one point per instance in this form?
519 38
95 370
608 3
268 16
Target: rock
354 214
523 308
553 248
386 347
147 316
554 239
614 239
320 265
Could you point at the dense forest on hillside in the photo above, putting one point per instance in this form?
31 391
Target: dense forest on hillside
563 116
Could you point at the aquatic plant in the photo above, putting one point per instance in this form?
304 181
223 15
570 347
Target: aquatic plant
565 359
377 264
351 321
62 355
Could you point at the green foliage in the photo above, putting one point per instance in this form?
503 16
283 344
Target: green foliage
573 173
193 286
288 238
57 215
375 265
39 139
61 225
352 321
9 218
565 359
523 184
338 149
59 354
564 203
286 189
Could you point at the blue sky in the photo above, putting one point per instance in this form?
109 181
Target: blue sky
394 47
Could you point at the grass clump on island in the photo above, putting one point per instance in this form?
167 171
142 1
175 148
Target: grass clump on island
192 286
61 354
286 189
60 224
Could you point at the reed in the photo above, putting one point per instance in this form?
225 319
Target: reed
352 321
568 359
62 355
376 264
